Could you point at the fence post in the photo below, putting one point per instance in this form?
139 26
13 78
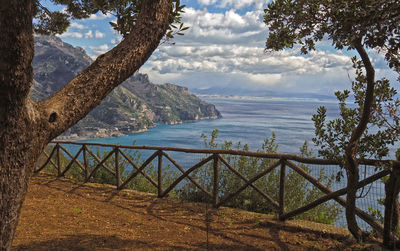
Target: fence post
282 189
216 181
391 217
159 173
117 171
85 163
58 160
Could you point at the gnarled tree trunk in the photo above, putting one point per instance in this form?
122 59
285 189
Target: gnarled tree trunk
27 127
351 164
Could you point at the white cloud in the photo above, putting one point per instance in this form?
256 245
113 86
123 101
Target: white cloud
99 34
100 16
72 34
89 34
249 67
265 79
228 58
78 26
223 28
97 50
116 40
227 50
236 4
96 34
206 2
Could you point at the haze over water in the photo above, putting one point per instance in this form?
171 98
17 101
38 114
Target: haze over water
246 119
251 120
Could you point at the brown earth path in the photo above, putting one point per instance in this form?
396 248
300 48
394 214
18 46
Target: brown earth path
61 214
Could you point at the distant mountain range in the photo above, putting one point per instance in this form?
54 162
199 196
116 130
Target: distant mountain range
227 91
136 105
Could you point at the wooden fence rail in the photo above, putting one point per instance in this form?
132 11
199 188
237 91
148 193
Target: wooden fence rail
216 157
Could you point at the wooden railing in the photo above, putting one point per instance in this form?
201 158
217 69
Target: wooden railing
281 161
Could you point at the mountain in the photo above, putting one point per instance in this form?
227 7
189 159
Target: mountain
228 91
136 105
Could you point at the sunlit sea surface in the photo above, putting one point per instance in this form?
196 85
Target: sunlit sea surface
251 120
246 119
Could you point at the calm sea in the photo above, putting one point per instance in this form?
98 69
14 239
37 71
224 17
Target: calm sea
246 119
251 120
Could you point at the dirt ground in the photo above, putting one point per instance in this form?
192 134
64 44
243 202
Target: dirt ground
61 214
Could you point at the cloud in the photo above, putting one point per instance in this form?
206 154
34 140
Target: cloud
89 34
101 49
249 67
78 26
99 34
96 34
227 50
236 58
100 16
224 48
235 4
228 27
72 34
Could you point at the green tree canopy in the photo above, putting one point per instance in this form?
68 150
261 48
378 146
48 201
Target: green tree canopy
126 13
26 127
374 23
359 25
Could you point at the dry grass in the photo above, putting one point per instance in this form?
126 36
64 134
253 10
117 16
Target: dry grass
61 214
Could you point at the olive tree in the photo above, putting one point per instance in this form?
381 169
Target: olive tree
353 25
26 127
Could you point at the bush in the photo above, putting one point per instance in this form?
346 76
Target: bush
102 176
298 190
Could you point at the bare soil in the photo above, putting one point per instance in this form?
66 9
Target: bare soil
61 214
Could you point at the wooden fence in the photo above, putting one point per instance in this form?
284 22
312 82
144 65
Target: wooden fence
216 157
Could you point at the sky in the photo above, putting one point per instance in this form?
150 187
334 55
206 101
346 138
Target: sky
224 48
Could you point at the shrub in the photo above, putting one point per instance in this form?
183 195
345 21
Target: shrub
298 190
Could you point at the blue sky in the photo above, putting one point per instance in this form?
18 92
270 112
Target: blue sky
224 47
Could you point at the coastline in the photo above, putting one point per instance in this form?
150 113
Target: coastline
101 133
107 133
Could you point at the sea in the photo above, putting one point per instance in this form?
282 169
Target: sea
251 120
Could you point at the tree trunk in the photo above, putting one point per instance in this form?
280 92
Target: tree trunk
18 151
351 164
26 127
18 154
352 180
391 216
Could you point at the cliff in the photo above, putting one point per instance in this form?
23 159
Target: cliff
136 105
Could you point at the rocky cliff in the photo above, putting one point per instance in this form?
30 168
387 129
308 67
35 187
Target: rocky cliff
134 106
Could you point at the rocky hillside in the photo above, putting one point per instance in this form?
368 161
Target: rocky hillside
136 105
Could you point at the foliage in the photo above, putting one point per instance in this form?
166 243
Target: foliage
102 176
298 190
126 13
374 23
377 214
382 130
367 129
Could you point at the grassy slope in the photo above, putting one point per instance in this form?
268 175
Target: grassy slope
60 214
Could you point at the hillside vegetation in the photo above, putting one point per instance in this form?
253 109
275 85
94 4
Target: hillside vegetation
136 105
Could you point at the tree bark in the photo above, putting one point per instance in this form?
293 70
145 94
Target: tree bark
351 163
27 127
391 216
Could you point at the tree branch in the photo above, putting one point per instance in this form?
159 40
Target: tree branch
351 149
89 88
369 93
